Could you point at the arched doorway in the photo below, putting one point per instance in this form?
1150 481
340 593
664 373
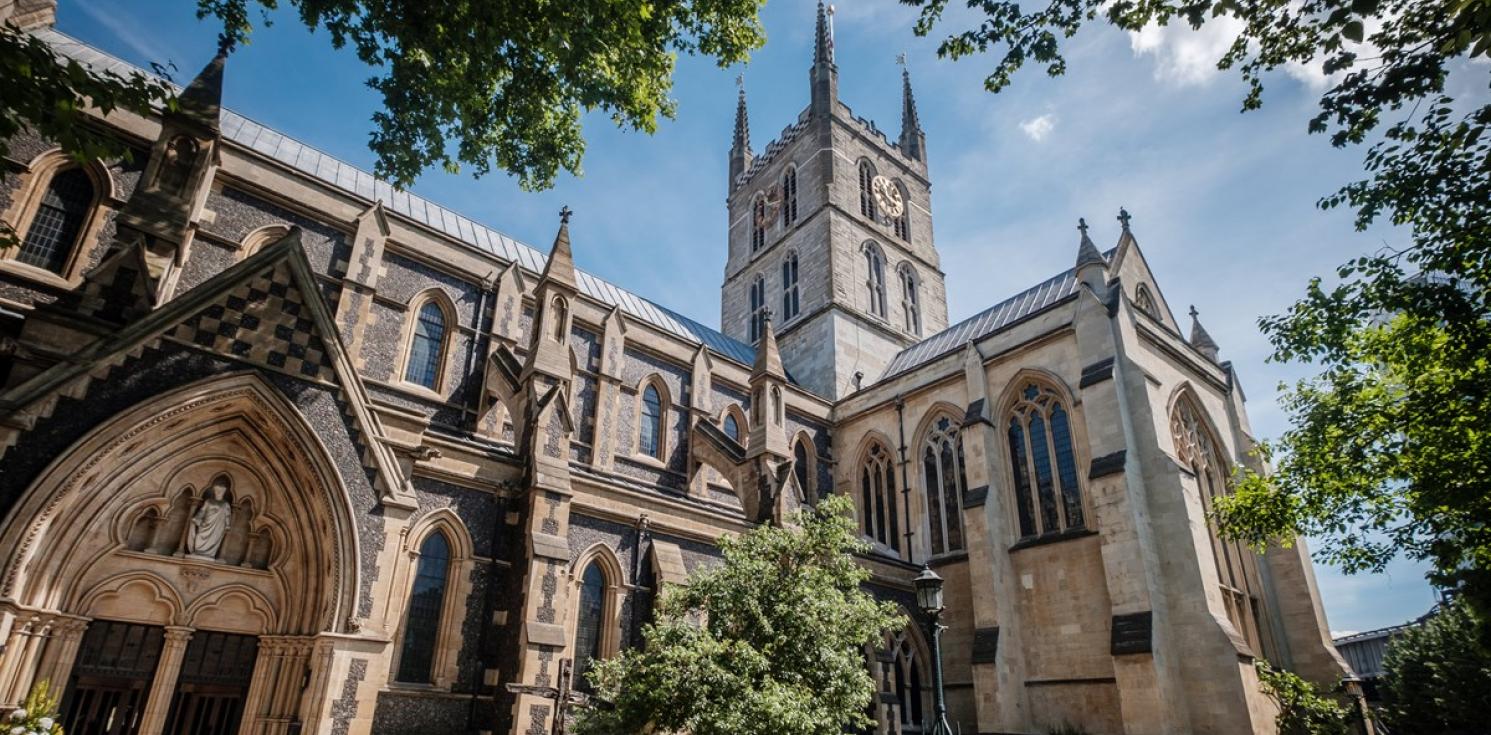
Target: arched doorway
175 567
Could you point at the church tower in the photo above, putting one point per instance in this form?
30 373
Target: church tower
830 232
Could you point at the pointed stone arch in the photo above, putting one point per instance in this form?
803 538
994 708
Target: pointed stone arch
201 429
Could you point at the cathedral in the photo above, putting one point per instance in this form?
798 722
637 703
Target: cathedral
285 449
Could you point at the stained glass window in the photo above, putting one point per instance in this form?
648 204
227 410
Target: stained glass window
426 600
650 438
944 482
1048 493
878 488
426 347
58 221
758 223
800 467
588 621
732 427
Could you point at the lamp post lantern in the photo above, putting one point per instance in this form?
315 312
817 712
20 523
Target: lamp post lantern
929 598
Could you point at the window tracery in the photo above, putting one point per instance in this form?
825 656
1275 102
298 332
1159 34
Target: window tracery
426 605
944 484
427 343
1048 493
878 496
1236 565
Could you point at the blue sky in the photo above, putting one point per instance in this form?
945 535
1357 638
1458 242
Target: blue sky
1223 203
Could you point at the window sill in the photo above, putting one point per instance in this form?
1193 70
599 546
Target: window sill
647 459
1053 538
33 273
951 557
420 390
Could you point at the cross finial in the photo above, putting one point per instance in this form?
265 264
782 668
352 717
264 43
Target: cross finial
1194 312
766 314
1123 218
901 58
740 81
564 214
1082 226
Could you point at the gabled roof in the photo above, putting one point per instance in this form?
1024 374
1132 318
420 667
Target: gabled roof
1025 304
363 185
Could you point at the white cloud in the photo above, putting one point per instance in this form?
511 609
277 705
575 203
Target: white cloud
1188 57
1183 56
1039 128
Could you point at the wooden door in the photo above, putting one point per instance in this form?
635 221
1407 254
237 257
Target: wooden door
111 679
214 680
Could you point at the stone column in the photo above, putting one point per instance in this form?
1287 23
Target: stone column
163 688
61 652
22 647
997 656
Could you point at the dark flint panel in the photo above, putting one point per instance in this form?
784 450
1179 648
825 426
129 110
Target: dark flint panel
207 259
238 213
417 713
403 279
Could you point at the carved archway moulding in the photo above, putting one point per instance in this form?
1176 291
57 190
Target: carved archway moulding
74 531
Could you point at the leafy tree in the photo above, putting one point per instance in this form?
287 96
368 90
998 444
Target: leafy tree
1436 677
1302 709
1388 452
771 642
470 82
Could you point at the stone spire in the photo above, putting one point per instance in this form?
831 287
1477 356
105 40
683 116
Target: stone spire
560 269
1092 269
824 76
1087 253
768 381
913 141
202 100
768 357
740 147
1200 339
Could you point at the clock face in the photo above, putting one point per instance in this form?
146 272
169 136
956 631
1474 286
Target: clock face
887 197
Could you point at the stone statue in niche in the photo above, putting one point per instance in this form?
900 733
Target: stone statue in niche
211 521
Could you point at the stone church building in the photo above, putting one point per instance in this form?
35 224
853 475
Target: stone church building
284 449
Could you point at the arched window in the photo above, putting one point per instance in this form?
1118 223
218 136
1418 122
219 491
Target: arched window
1237 566
1145 301
589 618
944 482
789 197
877 481
261 238
758 223
426 601
758 307
906 678
866 197
902 223
650 428
58 222
801 468
875 279
910 300
789 287
426 346
731 426
1048 497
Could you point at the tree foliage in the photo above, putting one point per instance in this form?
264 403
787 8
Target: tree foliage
1302 709
1436 676
464 82
1388 451
771 642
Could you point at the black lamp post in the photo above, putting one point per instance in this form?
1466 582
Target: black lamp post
929 598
